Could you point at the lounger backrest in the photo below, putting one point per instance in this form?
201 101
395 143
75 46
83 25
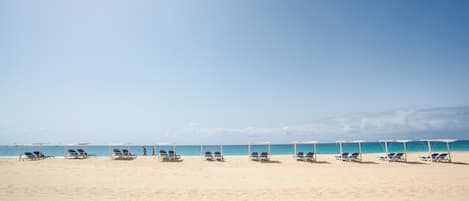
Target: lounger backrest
300 154
81 151
443 155
29 154
38 154
264 154
117 152
163 153
310 154
254 154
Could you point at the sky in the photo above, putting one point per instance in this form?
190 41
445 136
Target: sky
229 72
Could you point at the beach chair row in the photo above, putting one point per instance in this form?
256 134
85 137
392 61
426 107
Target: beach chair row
308 157
436 157
393 157
36 155
216 156
123 154
349 157
263 156
169 155
76 154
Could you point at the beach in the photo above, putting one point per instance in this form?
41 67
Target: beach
146 178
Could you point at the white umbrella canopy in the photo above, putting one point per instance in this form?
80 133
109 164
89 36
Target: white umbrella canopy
386 147
259 143
447 141
34 144
128 144
314 143
80 144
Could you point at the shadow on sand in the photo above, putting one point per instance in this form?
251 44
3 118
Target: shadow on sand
415 163
365 162
171 161
459 163
318 162
269 161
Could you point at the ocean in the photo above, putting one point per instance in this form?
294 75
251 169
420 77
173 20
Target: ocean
239 150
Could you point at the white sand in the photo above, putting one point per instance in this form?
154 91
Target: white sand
235 179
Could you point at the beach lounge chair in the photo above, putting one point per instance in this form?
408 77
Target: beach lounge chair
264 156
343 157
398 157
254 156
443 157
173 155
309 157
72 154
30 156
387 157
163 155
219 156
432 157
209 156
300 156
83 153
128 155
117 154
355 157
41 155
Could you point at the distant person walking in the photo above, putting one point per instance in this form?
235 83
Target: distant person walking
144 151
153 151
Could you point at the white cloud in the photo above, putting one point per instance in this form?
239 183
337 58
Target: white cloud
437 122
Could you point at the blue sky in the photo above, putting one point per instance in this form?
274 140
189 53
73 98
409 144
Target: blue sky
232 71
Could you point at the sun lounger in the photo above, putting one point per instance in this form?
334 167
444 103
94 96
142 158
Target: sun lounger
343 157
117 154
163 155
209 156
82 153
443 157
41 155
30 156
355 157
72 154
264 156
254 156
300 156
387 157
309 156
219 156
127 155
432 157
398 157
173 155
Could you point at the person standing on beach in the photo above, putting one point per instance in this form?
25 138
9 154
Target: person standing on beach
144 151
153 151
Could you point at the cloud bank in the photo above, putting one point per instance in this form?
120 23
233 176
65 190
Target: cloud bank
449 122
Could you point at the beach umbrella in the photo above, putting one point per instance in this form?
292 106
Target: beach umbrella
447 141
359 147
404 143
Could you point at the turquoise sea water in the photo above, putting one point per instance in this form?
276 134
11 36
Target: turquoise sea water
276 149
